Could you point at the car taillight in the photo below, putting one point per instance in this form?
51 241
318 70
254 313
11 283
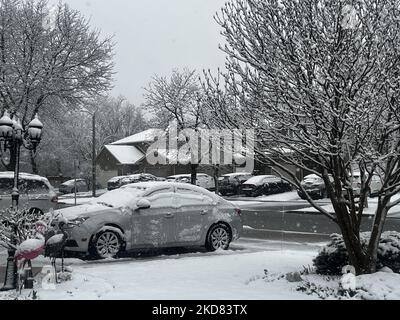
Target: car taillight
54 199
238 211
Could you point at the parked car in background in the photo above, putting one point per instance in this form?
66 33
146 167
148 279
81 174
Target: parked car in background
374 187
36 194
69 186
117 182
265 185
114 183
231 183
202 180
314 186
149 215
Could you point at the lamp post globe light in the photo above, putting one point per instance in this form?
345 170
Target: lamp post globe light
12 137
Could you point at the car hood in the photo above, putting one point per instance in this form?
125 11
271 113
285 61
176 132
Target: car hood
84 210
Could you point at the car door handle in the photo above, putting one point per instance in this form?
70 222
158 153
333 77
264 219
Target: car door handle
169 215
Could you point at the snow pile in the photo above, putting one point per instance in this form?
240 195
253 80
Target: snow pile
378 286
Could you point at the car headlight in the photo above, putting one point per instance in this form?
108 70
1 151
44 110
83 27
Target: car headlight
76 222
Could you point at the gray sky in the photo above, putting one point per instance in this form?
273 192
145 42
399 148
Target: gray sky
155 36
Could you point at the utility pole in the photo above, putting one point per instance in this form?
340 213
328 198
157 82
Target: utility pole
94 154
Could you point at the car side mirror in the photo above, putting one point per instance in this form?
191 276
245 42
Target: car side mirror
143 204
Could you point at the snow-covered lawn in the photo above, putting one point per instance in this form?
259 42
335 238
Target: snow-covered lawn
220 275
237 274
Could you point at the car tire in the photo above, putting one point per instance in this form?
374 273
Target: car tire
218 237
106 244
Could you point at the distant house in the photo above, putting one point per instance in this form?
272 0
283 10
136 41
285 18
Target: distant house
128 156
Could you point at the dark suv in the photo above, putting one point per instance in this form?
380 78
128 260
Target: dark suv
265 185
231 183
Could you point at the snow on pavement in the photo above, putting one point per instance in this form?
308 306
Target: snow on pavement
220 275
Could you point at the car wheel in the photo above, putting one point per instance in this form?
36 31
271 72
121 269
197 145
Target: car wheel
106 244
218 237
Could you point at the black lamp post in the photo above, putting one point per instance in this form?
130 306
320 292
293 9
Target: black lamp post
12 137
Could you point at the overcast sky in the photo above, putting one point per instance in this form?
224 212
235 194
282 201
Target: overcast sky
155 36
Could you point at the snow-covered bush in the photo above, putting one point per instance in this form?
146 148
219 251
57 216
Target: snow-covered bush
333 257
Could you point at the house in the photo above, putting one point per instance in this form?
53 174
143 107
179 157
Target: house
128 156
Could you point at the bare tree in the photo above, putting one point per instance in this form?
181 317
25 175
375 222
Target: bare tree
319 81
68 136
176 99
49 58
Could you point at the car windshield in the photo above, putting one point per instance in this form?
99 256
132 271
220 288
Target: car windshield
120 197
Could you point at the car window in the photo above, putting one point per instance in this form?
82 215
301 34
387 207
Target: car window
33 187
159 191
162 198
187 196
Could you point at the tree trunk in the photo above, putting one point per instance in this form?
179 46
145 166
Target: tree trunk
216 174
363 260
193 173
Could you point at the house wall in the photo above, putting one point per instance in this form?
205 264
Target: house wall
102 176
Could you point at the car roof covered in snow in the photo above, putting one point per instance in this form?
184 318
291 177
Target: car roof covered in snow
72 181
261 179
154 185
188 175
23 175
234 174
115 179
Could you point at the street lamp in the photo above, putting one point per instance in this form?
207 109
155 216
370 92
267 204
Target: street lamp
12 137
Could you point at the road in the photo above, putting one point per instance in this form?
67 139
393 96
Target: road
276 220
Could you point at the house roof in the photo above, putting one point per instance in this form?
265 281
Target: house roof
125 154
144 136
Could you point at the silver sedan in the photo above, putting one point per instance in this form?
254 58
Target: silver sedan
150 215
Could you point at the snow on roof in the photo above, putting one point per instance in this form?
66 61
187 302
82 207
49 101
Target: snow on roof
70 182
173 155
187 175
125 154
234 174
10 174
260 179
144 136
163 184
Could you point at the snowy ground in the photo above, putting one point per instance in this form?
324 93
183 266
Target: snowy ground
251 269
236 275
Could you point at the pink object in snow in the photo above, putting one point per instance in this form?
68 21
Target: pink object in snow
29 249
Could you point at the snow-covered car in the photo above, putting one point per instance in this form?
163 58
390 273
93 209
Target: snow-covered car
314 186
117 182
114 183
69 186
231 183
149 215
36 194
374 187
202 180
265 185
